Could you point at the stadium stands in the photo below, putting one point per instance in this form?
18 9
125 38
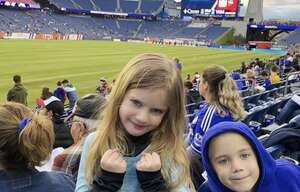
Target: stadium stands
151 6
106 5
21 1
84 4
47 21
293 38
63 3
129 6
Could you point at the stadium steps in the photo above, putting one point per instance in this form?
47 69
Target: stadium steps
118 9
175 33
203 31
160 8
138 9
118 24
76 5
138 29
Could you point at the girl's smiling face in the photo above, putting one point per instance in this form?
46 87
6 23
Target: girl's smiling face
142 110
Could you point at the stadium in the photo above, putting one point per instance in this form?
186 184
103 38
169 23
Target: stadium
59 51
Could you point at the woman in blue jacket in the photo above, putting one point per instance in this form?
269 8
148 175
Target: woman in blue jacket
235 160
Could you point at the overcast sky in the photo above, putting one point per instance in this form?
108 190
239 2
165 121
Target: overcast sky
280 9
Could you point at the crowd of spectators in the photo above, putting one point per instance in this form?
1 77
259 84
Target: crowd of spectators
63 120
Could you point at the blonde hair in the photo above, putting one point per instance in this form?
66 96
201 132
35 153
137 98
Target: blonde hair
150 71
29 147
222 92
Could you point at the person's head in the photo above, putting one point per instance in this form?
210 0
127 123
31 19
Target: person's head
234 159
188 77
25 139
219 89
65 82
176 60
274 69
148 97
85 116
17 78
59 83
103 81
46 93
147 72
55 109
188 85
264 75
250 74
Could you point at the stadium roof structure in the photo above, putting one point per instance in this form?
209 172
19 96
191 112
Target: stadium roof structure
255 10
283 27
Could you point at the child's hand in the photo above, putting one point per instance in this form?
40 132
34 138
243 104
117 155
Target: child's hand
149 162
113 161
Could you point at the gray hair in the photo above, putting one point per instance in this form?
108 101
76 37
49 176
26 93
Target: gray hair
91 124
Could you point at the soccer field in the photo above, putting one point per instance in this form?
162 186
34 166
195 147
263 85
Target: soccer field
43 63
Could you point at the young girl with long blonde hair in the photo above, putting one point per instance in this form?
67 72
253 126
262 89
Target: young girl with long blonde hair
139 145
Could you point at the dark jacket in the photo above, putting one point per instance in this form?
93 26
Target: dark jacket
60 93
275 175
17 94
35 181
63 136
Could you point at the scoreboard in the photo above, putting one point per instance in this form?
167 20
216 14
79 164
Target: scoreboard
209 8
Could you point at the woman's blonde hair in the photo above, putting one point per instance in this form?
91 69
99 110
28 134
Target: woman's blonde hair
222 92
149 71
28 147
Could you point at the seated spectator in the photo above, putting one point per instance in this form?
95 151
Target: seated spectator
188 77
290 110
257 70
235 160
250 77
274 77
288 63
55 110
26 140
191 94
266 80
243 68
85 119
196 78
46 94
59 92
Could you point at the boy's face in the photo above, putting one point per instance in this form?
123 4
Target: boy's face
234 162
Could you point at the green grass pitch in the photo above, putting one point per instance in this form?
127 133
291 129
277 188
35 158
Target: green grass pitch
43 63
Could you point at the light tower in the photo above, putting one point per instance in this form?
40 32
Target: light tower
254 11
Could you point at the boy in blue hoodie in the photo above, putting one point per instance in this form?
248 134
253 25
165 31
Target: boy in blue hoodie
235 160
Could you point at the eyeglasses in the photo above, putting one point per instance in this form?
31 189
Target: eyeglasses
77 121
